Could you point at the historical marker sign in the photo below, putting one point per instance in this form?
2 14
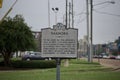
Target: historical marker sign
59 42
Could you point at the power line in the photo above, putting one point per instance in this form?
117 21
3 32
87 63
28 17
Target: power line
101 7
106 13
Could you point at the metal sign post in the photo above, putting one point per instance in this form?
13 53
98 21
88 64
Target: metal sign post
58 69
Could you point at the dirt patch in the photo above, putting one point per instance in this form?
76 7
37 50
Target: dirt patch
111 63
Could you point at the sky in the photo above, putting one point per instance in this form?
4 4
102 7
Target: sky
106 16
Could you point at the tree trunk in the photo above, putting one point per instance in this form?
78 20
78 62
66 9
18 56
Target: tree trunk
6 57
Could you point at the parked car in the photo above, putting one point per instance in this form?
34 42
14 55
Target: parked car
33 56
97 56
112 57
105 56
118 57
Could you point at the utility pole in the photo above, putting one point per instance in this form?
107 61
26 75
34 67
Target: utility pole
87 21
72 15
66 11
48 13
89 29
69 14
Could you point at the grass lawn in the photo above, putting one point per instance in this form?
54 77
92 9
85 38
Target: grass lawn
77 70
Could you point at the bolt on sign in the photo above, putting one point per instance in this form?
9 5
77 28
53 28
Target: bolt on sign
59 42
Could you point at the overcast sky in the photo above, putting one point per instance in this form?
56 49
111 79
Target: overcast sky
106 17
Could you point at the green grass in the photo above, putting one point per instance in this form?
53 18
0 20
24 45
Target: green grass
77 70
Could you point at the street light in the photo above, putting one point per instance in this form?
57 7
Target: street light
89 9
55 10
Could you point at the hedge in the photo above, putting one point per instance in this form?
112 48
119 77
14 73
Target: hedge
33 64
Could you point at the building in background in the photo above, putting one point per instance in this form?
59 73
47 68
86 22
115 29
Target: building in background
110 48
82 47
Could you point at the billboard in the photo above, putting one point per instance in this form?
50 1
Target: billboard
59 42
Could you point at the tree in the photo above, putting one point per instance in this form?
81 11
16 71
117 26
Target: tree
15 35
118 45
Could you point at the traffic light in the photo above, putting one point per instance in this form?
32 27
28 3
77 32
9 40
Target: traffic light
1 3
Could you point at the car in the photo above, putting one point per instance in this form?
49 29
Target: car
105 56
118 57
112 57
97 56
33 56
